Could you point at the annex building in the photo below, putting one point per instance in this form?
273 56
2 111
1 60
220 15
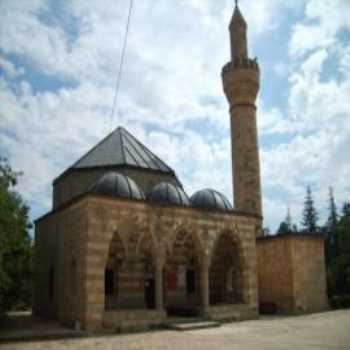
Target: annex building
125 245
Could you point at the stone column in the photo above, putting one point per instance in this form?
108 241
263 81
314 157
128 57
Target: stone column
159 287
205 284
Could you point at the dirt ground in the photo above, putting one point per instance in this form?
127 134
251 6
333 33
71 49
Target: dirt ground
329 330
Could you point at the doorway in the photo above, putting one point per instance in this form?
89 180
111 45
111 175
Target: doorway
150 293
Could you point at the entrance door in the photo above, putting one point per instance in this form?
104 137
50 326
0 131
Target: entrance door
150 293
190 282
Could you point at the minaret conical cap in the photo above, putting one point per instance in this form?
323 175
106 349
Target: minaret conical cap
237 19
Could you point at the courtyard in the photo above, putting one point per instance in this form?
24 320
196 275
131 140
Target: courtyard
329 330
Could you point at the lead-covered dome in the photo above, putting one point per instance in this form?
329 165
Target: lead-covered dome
167 193
210 200
117 185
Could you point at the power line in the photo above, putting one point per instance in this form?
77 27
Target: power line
121 64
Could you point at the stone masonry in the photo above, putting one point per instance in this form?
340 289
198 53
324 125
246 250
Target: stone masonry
82 234
291 273
241 79
76 182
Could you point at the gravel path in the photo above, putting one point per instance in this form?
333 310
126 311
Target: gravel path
330 330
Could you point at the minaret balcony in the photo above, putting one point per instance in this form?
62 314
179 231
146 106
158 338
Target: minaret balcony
240 63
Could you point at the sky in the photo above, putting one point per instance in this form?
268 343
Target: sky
59 61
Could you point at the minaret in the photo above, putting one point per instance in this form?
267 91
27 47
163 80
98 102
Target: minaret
241 78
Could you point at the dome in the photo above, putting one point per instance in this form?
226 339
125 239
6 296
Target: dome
211 200
117 185
167 193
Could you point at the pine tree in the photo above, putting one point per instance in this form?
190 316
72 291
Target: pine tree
339 272
286 226
288 221
310 216
266 231
295 228
332 229
282 229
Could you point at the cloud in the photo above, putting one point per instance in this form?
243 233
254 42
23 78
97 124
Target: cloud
323 21
10 69
171 95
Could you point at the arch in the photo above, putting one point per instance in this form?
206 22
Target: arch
182 274
226 279
114 260
130 270
146 246
146 253
131 229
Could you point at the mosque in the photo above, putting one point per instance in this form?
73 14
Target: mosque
125 245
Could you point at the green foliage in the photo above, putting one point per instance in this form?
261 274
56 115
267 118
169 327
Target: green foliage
339 264
331 230
287 225
15 245
266 231
310 216
283 228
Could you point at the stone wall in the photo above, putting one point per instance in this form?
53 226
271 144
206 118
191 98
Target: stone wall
59 245
77 182
77 239
136 220
45 259
309 274
275 275
291 273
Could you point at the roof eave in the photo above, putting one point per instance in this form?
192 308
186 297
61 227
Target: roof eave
112 167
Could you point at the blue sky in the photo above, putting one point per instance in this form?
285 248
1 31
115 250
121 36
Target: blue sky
58 66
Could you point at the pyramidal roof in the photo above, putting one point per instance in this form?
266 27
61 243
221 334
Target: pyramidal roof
121 148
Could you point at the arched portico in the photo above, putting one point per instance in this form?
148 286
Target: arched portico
226 285
113 284
130 273
181 267
182 275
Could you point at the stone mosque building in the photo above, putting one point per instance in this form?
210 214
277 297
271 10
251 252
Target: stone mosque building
124 245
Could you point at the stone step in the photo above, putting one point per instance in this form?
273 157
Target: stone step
190 326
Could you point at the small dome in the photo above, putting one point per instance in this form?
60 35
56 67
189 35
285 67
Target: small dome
117 185
211 200
167 193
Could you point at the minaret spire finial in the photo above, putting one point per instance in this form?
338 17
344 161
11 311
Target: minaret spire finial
238 33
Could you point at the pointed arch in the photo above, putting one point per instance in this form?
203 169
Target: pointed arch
146 246
116 248
182 274
114 260
226 282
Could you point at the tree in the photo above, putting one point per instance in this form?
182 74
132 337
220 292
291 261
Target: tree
15 243
283 228
310 216
287 226
266 231
331 230
340 264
